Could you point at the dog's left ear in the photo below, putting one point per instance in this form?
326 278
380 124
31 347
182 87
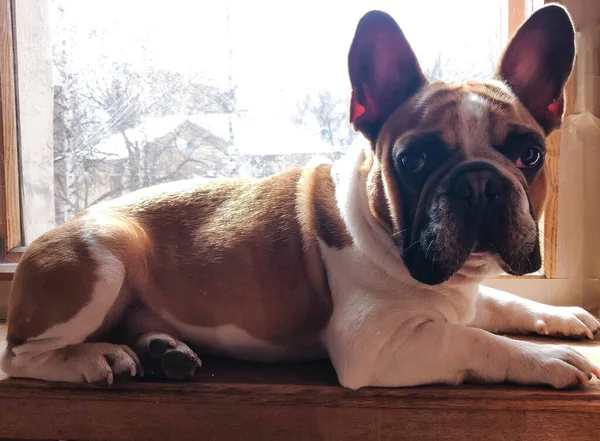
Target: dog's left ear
538 61
384 72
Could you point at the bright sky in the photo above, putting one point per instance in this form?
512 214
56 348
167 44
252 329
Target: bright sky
281 49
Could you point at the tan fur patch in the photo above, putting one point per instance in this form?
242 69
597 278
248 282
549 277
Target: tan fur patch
435 109
53 281
215 253
327 222
232 253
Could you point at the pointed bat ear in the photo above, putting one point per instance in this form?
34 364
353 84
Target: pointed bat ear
384 72
537 63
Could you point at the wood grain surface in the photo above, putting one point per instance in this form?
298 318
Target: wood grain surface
10 208
302 401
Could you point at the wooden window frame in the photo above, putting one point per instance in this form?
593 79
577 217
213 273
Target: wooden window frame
10 185
545 287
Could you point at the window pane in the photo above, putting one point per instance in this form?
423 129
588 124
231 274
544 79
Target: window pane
149 91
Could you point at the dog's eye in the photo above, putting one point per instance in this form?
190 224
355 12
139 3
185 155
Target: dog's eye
532 157
413 162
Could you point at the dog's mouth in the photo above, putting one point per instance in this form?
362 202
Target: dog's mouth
459 232
433 261
480 265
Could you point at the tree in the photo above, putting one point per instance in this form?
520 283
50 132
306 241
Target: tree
111 98
329 115
75 126
435 71
88 110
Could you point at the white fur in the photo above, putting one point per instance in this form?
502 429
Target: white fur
86 362
230 340
389 330
500 311
367 234
473 122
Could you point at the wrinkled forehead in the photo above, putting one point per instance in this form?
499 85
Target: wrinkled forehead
470 116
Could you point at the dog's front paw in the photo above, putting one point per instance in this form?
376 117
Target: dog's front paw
103 363
559 366
566 321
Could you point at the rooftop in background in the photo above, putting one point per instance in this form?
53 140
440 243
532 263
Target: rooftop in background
252 135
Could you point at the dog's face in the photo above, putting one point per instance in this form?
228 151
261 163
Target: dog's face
456 172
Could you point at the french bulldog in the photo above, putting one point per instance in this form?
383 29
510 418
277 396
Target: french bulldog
375 261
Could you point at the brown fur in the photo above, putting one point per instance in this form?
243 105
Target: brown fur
327 221
436 108
204 253
52 283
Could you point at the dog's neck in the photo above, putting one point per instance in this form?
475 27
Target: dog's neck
369 236
374 241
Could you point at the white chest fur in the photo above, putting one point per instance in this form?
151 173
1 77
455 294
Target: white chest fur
373 267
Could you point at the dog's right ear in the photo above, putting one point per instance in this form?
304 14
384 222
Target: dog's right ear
384 72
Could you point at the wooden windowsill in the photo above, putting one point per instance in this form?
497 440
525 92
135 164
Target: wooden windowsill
8 267
243 401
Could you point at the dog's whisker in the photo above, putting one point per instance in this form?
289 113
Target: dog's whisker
386 254
413 244
427 251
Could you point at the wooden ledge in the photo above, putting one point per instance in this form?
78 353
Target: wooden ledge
302 401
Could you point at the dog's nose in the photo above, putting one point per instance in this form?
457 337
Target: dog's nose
478 186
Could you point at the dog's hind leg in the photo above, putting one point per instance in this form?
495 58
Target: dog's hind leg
158 345
67 288
166 357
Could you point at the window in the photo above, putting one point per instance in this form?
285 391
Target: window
216 90
117 95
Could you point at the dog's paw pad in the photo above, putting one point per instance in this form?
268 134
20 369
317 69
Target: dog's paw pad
180 363
166 357
157 344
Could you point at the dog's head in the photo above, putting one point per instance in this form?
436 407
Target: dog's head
456 172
